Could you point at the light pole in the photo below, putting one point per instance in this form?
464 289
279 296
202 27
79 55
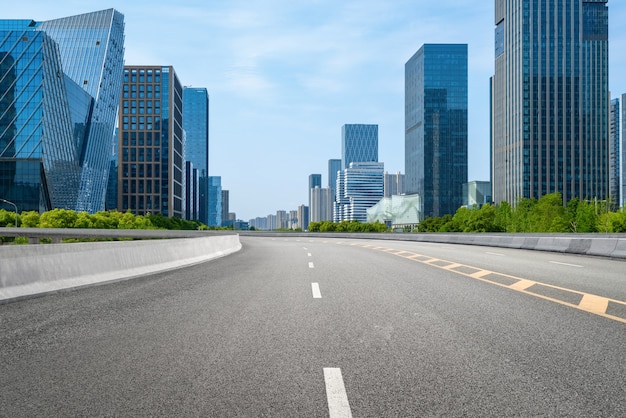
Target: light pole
17 225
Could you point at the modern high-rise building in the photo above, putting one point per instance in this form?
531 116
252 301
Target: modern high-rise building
196 126
550 100
225 204
151 142
436 138
321 208
215 201
192 192
615 173
360 188
394 184
623 154
60 87
359 144
315 180
303 217
334 165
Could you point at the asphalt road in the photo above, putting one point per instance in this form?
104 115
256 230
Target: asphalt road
313 327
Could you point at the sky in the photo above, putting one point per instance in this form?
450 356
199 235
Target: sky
283 76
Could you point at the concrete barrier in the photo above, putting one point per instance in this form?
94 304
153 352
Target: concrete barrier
35 269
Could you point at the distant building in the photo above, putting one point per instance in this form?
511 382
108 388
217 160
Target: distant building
550 100
615 174
360 187
151 142
315 180
303 217
476 193
282 219
215 201
321 208
334 165
192 192
196 126
60 84
225 204
394 184
359 143
436 135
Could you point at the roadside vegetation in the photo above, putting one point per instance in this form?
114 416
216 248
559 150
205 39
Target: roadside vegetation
531 215
346 226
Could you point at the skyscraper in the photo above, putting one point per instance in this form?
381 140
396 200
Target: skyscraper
334 165
151 142
436 127
359 143
215 201
550 100
196 126
614 154
360 188
623 154
321 208
61 82
394 184
315 180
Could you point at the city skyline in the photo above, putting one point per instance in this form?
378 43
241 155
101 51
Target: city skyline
283 78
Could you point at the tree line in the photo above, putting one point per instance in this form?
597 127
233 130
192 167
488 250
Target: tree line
547 214
63 218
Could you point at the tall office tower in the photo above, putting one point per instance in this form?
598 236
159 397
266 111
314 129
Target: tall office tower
151 142
282 219
359 144
394 184
614 154
623 154
196 126
550 100
110 202
192 192
436 127
321 208
334 165
215 201
225 204
315 180
303 217
60 86
360 188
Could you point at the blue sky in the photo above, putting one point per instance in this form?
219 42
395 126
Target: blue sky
284 76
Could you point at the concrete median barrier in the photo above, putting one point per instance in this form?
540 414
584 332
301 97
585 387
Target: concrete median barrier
35 269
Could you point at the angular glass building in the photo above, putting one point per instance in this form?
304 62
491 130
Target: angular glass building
550 100
359 143
196 126
436 80
61 82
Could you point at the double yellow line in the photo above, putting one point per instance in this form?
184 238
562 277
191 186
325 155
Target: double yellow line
597 305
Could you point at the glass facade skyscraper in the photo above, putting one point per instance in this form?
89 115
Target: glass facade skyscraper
436 127
196 125
151 142
215 201
359 143
550 100
61 82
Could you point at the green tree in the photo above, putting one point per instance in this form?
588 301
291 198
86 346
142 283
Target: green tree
29 219
58 218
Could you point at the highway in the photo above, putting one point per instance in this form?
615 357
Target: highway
299 327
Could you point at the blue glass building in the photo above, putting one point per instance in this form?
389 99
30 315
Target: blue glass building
196 126
334 165
215 201
436 127
61 82
550 100
359 143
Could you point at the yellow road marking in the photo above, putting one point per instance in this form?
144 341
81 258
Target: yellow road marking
590 303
